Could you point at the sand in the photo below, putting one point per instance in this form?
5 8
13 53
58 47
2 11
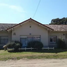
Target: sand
34 63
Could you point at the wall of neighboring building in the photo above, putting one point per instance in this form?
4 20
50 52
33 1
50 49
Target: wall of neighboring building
3 36
28 29
60 35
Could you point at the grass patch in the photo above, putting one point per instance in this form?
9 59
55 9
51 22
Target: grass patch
46 54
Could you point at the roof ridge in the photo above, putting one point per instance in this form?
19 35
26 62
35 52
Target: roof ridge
30 20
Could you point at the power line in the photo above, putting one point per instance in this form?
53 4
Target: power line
36 8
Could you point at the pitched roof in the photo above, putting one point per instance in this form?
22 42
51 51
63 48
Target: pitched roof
29 20
4 26
58 27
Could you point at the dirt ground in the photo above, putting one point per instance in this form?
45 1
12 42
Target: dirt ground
34 63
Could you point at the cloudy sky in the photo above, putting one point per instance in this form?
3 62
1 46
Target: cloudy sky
16 11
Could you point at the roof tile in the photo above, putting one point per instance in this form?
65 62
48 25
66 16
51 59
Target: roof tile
5 26
58 27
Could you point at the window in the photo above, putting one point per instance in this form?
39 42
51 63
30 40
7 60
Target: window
33 38
53 39
3 39
30 39
14 33
36 38
30 26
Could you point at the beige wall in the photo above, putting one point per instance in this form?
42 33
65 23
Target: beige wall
5 33
58 34
34 30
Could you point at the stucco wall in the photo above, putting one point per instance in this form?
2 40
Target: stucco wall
59 35
5 33
34 30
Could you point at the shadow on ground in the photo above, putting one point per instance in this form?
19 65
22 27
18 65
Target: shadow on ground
42 51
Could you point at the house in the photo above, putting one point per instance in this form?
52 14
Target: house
31 29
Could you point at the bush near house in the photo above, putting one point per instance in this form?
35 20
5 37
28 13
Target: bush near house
14 44
35 44
61 44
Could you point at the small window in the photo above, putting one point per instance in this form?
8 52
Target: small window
30 26
53 39
29 33
14 33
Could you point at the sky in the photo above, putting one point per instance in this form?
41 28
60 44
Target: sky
16 11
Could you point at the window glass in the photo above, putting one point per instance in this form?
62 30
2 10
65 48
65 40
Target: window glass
3 39
30 39
53 39
36 38
33 38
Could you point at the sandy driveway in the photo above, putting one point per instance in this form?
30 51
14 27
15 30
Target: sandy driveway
34 63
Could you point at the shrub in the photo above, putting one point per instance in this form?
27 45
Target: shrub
6 46
13 44
30 44
61 44
35 44
17 45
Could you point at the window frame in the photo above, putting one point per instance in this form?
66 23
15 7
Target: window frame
3 40
53 39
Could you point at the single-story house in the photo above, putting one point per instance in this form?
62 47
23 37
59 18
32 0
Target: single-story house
30 30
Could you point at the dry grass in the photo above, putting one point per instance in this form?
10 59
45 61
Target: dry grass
48 54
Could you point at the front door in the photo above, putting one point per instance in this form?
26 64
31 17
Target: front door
24 42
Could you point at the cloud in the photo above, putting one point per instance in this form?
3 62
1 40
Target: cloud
14 7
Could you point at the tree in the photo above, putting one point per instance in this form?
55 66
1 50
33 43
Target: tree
57 21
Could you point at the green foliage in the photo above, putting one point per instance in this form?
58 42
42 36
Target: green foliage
58 21
13 44
43 54
30 44
6 46
35 44
61 44
17 45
